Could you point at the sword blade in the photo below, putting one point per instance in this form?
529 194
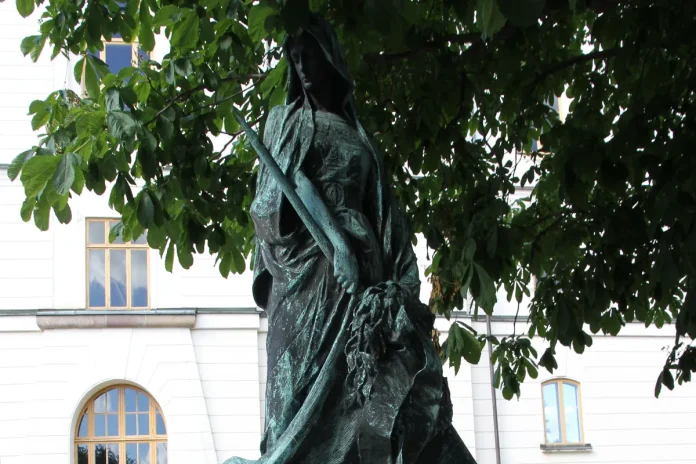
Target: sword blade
267 159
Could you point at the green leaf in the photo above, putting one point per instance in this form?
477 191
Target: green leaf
548 360
667 379
572 4
238 259
487 296
142 91
16 165
146 37
165 127
185 31
169 258
275 77
164 16
40 119
29 43
521 13
170 75
121 124
492 20
25 7
91 79
38 105
64 175
468 344
225 264
112 100
183 67
156 237
33 46
185 257
63 215
507 392
147 140
469 249
531 370
36 172
42 214
257 21
79 183
146 209
115 232
89 124
27 208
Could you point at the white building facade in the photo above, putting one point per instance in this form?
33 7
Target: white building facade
171 366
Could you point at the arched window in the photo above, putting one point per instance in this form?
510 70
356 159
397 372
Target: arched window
562 412
121 425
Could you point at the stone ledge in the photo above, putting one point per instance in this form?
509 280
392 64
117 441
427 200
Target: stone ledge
576 448
47 320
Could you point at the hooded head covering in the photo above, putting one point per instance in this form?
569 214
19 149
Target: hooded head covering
321 31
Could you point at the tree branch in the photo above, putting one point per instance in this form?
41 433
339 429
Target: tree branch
428 45
600 55
188 93
235 135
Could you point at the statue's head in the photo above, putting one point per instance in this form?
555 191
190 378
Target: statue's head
316 63
311 66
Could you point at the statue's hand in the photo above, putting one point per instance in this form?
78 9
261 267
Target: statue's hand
346 268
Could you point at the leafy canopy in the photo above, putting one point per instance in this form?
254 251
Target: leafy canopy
448 87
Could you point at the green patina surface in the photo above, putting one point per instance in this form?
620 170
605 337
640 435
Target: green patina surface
353 375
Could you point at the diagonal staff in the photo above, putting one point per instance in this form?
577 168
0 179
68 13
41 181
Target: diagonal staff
287 188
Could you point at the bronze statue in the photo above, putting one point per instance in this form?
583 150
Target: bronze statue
353 375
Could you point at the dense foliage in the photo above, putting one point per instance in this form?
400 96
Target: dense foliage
448 88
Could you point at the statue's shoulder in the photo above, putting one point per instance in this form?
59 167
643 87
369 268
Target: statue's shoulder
275 118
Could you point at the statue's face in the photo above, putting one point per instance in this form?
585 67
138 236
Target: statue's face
310 63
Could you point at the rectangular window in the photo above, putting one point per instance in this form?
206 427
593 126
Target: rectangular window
117 273
118 54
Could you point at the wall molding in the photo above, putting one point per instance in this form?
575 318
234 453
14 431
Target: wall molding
48 320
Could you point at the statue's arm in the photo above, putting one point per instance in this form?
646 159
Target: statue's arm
345 262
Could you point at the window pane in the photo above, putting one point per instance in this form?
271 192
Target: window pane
118 240
99 425
82 454
97 278
139 278
131 453
161 453
130 425
112 400
551 413
113 453
143 453
100 404
100 454
118 278
143 402
144 424
161 429
112 425
118 56
142 240
82 431
97 234
130 400
571 408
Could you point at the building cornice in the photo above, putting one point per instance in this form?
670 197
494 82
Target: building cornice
87 319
